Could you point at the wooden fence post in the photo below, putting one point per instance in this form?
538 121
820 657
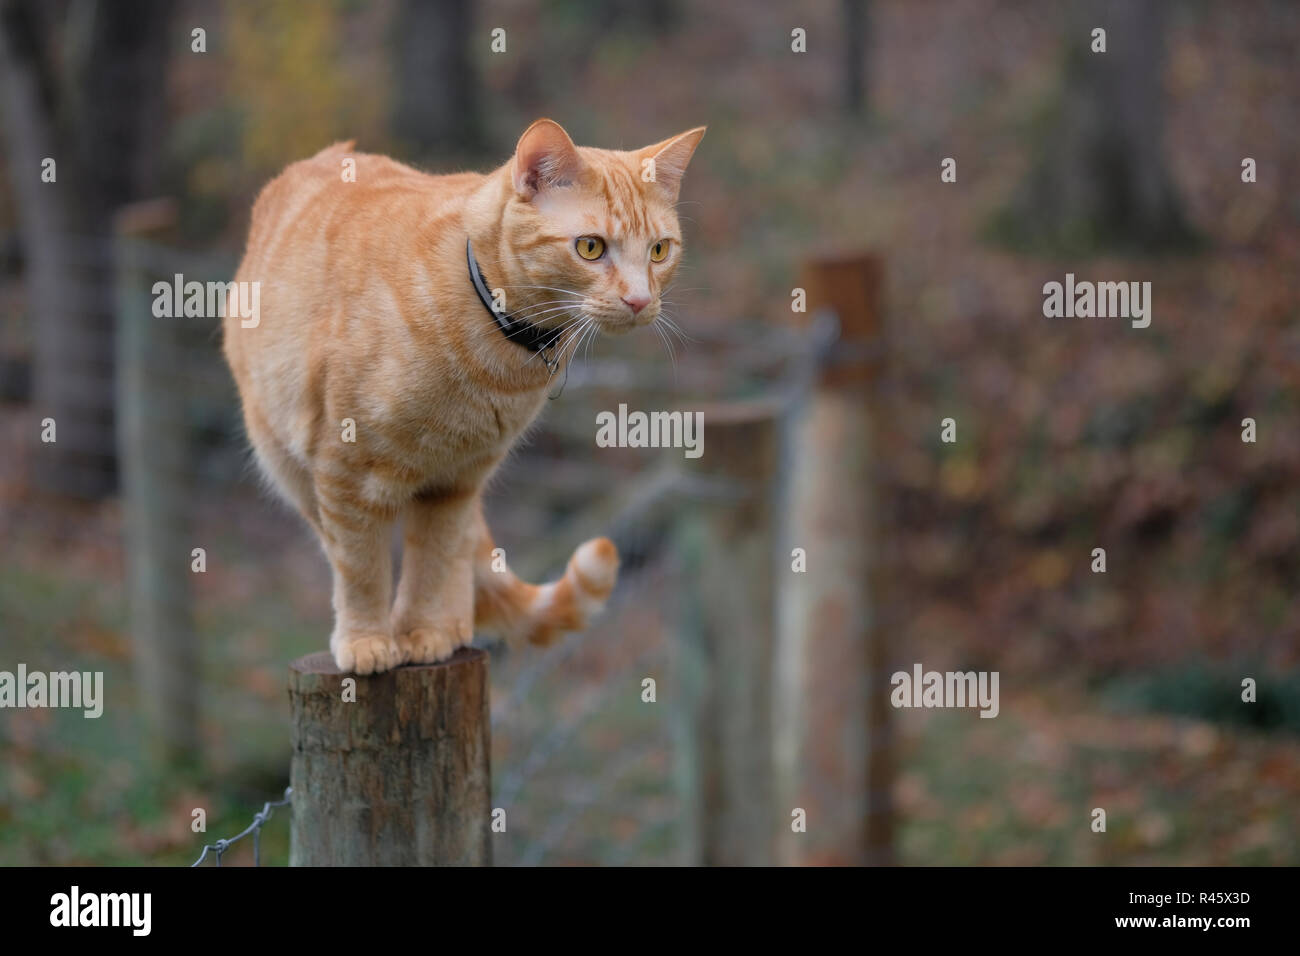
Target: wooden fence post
395 773
725 647
153 454
833 746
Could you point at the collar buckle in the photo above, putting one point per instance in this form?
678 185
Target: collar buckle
552 361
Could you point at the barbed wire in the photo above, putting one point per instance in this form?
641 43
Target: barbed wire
255 828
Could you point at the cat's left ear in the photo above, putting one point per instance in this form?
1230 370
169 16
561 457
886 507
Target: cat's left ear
544 159
665 163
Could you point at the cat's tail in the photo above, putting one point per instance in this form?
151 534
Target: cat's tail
541 613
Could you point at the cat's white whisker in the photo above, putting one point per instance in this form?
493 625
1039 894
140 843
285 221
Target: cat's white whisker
672 325
540 308
590 341
667 345
582 332
549 288
564 340
526 314
590 329
534 312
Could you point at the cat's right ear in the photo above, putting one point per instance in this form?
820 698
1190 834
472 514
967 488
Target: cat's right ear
544 159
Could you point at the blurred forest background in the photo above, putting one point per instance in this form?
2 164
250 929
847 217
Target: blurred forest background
1118 690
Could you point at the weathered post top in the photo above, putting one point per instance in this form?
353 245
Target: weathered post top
391 769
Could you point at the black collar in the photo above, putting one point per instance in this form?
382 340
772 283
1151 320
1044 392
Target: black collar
532 337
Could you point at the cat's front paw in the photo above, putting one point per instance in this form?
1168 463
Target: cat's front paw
432 643
365 653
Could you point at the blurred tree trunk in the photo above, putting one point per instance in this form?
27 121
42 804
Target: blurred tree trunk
662 15
1098 178
856 37
437 101
82 85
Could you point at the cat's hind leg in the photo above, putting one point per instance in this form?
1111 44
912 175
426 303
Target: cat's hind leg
280 471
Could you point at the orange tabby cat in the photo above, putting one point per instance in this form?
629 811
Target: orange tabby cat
381 382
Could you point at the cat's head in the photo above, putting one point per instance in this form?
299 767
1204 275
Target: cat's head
592 233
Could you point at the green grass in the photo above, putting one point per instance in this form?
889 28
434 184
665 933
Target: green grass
78 790
1021 789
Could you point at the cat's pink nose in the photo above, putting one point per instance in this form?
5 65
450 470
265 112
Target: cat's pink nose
636 303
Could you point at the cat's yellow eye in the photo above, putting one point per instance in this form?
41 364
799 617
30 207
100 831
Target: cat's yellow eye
659 251
591 247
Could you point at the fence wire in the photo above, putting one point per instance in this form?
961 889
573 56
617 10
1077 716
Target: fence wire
255 828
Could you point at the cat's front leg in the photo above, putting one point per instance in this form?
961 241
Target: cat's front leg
356 536
434 611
